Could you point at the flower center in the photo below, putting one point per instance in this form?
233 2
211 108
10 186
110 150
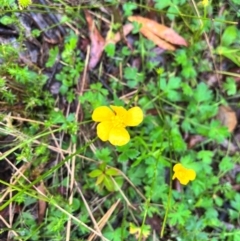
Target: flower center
118 122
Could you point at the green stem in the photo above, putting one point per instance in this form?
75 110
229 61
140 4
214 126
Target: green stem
168 206
169 194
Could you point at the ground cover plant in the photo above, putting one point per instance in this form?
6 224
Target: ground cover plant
119 120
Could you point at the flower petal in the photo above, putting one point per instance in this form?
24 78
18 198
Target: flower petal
174 176
103 130
191 174
183 180
119 136
102 113
134 116
119 110
177 167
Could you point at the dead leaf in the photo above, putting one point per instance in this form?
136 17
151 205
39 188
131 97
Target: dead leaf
126 29
154 31
155 222
97 42
159 42
42 205
227 117
193 140
102 222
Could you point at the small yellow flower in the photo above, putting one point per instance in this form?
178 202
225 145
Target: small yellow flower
113 123
143 231
205 3
183 174
24 3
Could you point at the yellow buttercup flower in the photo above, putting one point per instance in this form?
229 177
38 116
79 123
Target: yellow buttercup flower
205 3
183 174
113 123
24 3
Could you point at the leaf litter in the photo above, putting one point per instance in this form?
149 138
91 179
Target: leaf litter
161 36
159 33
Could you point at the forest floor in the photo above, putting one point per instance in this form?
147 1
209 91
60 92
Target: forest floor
119 120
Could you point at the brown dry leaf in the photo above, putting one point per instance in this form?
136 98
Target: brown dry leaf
42 205
158 31
193 140
102 222
227 117
127 28
159 42
97 42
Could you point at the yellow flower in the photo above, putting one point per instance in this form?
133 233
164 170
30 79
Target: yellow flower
183 174
113 123
143 231
205 3
24 3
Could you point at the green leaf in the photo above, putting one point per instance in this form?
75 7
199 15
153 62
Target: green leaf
163 83
112 172
217 131
173 11
173 95
103 154
202 93
109 184
177 140
76 204
119 234
123 157
110 49
63 89
161 4
211 217
206 110
102 166
170 87
204 202
136 174
181 57
229 35
125 51
234 215
133 153
53 53
36 33
236 236
133 77
57 117
230 86
100 179
6 20
235 2
188 71
226 164
219 201
186 161
128 8
205 156
230 53
174 82
95 173
187 90
180 215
